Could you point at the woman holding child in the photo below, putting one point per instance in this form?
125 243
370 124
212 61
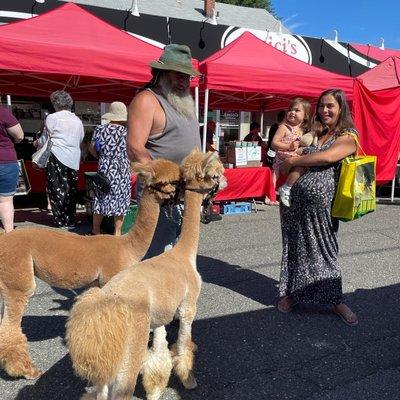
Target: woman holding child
310 271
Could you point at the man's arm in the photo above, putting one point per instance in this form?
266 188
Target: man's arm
140 122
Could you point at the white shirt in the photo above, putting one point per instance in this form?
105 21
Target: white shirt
66 132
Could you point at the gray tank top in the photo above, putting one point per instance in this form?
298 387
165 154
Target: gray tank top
180 136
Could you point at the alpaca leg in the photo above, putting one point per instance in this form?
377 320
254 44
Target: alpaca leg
157 366
125 382
100 393
14 356
183 352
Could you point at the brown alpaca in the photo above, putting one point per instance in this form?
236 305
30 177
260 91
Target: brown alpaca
67 260
108 328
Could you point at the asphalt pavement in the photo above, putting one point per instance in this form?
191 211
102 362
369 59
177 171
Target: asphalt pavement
246 348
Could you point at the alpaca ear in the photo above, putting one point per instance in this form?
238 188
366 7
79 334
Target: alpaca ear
210 158
144 171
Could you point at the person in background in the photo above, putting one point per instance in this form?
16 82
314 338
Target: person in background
109 145
310 271
66 132
10 133
211 126
162 123
254 136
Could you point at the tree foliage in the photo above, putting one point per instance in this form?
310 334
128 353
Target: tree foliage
266 4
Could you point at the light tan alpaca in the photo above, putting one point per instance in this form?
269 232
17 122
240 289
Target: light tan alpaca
67 260
108 328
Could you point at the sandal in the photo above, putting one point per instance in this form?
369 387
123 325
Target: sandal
346 316
90 233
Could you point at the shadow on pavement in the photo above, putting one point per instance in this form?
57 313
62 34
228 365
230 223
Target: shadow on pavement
38 328
268 355
263 354
246 282
59 382
67 303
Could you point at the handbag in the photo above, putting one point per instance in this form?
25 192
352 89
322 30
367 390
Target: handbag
40 158
23 184
356 190
101 183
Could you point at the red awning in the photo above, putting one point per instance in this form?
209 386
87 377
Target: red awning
70 48
386 75
254 75
377 118
375 52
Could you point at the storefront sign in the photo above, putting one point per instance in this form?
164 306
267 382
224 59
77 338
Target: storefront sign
230 117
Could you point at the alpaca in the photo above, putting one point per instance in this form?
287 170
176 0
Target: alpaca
69 261
108 328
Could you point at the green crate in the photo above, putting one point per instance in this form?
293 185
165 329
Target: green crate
130 218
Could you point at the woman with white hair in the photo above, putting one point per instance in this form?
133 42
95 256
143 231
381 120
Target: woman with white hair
66 132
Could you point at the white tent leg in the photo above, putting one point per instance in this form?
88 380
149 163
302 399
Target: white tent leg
205 120
392 192
196 101
262 124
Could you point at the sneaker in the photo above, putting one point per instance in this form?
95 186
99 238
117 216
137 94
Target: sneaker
284 195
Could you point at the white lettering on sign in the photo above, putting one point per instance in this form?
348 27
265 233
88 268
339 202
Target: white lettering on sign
291 45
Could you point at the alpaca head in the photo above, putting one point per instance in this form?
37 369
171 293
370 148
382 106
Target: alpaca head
202 171
161 176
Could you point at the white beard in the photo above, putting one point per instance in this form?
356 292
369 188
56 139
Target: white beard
183 103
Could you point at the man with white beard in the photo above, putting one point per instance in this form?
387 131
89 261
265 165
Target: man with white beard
162 123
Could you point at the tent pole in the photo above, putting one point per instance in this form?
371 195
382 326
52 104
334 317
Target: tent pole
196 101
205 120
218 127
262 123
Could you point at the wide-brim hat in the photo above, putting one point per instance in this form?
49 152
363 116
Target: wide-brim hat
116 112
176 57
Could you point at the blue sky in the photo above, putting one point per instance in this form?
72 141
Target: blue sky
357 21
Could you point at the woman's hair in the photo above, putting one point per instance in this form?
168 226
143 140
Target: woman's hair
344 121
306 124
61 100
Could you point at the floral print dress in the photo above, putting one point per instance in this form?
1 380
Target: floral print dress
113 161
310 271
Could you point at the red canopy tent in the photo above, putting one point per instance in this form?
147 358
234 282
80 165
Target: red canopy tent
70 48
386 75
376 110
375 52
249 74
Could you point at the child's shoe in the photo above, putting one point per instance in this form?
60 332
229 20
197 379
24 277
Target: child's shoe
284 195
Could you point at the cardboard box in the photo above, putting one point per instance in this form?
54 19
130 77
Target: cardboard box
253 153
237 156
